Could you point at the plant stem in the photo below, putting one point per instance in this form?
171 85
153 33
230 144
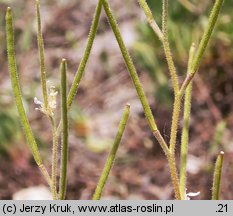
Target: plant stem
112 154
162 142
171 158
174 176
150 18
130 65
86 55
175 121
217 176
54 159
185 131
82 65
41 55
203 44
46 175
18 98
167 49
64 145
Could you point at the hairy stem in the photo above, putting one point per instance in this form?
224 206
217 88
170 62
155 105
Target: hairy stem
185 131
217 176
41 55
82 65
54 158
112 154
167 49
130 65
64 143
86 55
171 158
18 98
150 18
175 122
203 44
174 176
46 175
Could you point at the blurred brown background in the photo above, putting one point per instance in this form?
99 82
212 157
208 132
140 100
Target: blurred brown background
140 170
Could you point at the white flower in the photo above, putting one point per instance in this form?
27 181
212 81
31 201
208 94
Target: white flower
52 98
52 102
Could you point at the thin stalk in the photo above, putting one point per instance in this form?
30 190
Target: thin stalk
41 55
167 49
130 65
46 175
162 142
185 131
174 176
18 96
171 158
217 176
86 55
82 65
64 143
203 44
151 19
54 158
175 122
112 154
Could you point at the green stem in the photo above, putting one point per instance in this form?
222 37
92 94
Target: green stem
82 65
130 65
175 122
41 55
112 154
54 159
46 175
150 18
217 176
174 176
17 93
64 145
86 55
171 158
167 49
185 131
203 44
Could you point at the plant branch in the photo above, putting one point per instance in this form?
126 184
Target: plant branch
18 98
54 158
41 55
174 176
203 44
112 154
82 65
185 131
64 145
130 65
167 49
86 55
150 18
